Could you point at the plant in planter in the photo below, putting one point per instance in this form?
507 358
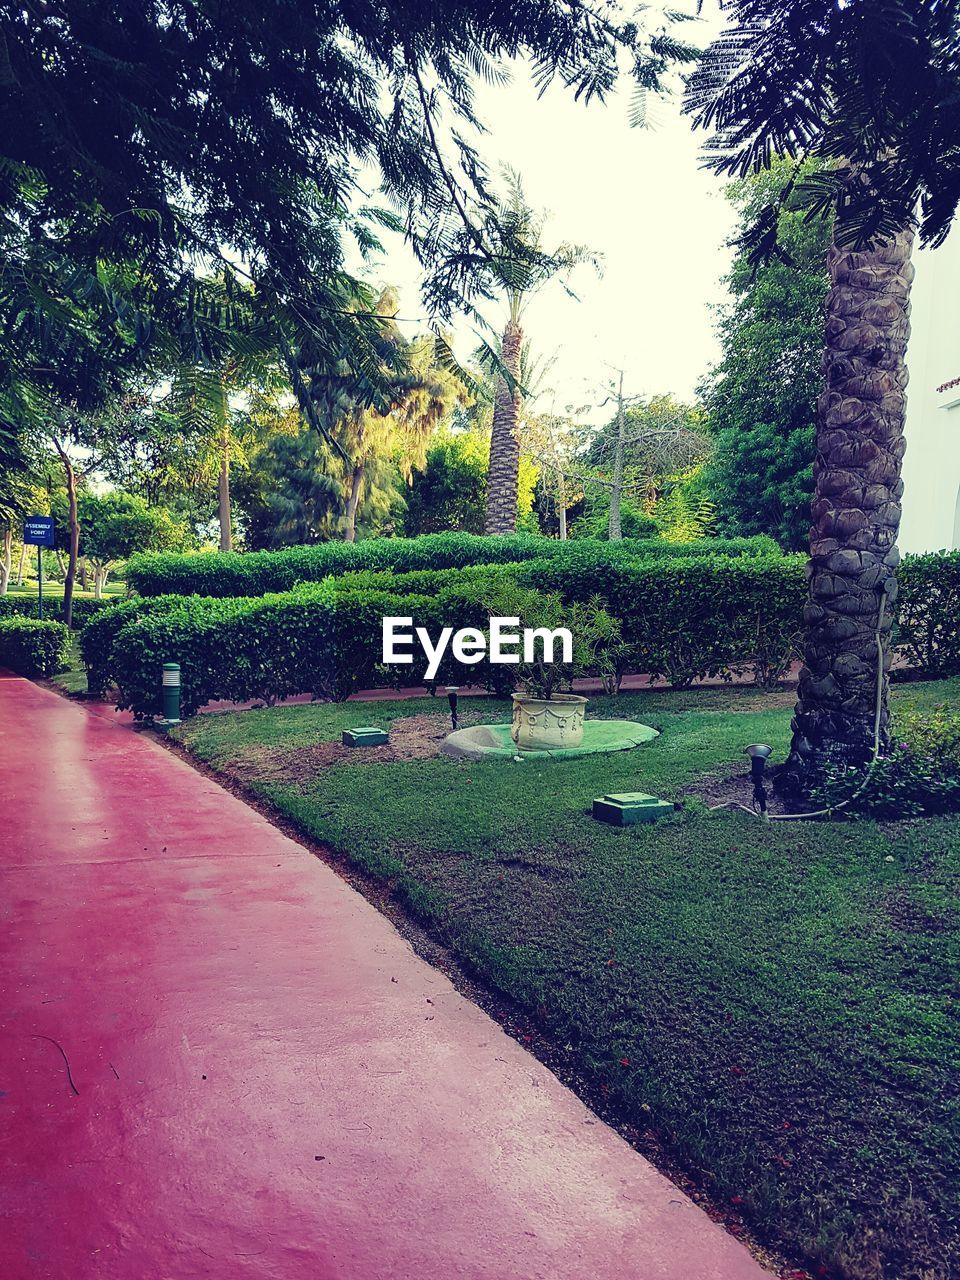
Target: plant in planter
547 714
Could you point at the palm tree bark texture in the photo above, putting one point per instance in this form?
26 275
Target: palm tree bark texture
856 507
502 476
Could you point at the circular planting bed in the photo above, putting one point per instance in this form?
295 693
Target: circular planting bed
483 740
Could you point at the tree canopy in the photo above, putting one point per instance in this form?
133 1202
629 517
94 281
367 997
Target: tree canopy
144 139
449 492
869 91
115 525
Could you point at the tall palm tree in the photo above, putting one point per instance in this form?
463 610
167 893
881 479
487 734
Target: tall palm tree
518 266
236 354
201 398
870 90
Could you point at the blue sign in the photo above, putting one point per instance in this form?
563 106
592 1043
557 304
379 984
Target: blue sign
38 531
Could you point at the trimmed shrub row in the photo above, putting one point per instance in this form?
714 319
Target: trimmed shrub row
28 607
257 573
33 648
680 619
98 636
763 596
310 640
928 613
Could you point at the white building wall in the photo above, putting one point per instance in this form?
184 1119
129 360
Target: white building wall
931 467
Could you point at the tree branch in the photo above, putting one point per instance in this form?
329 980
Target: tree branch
448 178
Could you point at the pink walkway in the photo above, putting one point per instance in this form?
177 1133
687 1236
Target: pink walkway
217 1060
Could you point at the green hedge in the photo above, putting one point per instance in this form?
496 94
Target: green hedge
33 648
928 613
257 573
682 619
27 607
686 620
98 636
689 623
314 639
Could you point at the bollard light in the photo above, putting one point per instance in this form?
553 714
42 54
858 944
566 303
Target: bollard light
759 754
171 692
452 690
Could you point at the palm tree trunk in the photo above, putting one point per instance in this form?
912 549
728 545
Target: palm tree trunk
74 528
223 496
6 559
21 564
353 503
856 508
616 490
504 470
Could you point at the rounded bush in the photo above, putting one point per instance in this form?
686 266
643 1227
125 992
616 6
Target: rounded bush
28 607
33 648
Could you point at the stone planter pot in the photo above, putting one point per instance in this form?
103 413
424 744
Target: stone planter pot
544 724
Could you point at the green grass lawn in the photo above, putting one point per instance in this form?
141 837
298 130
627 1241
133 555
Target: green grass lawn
778 1002
74 678
54 590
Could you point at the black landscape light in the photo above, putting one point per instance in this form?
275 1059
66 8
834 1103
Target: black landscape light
452 699
759 754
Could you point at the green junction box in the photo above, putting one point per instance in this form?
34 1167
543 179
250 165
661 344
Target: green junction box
628 807
365 737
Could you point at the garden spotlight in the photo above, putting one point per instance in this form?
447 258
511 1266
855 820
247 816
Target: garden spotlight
759 754
452 699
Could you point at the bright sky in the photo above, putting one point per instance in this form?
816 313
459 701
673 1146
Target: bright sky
636 196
